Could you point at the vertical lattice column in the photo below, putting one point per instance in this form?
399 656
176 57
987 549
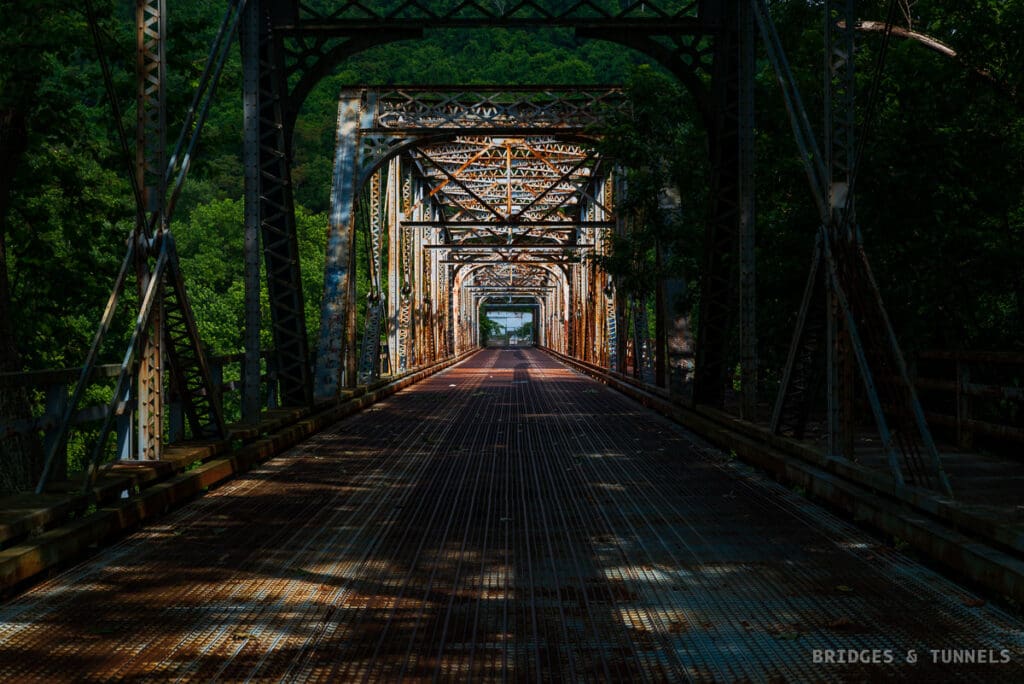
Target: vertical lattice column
420 334
250 44
611 322
435 295
444 309
395 216
718 282
405 312
277 214
151 169
746 68
839 153
427 302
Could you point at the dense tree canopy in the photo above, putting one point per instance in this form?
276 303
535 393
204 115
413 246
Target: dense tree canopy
941 200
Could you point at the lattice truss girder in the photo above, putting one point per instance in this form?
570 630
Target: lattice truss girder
508 180
509 276
415 109
150 165
477 11
521 256
469 234
390 118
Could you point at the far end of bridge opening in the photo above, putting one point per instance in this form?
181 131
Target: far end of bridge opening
509 323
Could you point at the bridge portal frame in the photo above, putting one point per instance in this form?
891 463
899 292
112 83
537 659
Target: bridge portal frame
697 41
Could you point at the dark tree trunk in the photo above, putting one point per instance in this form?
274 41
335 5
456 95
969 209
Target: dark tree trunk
20 455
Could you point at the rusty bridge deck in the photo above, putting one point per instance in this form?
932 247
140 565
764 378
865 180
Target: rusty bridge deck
507 519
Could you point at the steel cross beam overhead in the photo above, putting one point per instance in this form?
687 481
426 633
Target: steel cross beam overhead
328 16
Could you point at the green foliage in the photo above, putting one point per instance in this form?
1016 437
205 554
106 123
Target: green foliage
962 218
939 193
211 248
662 156
525 331
488 328
940 200
63 220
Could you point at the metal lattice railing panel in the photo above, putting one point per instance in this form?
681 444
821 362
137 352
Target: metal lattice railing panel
415 109
473 12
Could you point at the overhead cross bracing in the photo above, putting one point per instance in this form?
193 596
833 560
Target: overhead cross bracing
494 108
324 18
508 277
507 180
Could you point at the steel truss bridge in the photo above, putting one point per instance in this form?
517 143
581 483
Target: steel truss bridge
473 188
470 198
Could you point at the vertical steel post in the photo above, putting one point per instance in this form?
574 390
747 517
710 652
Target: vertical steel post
395 192
420 336
834 351
434 294
839 154
747 213
718 276
660 320
405 311
277 217
250 45
339 278
639 336
448 285
427 339
369 362
151 170
573 310
620 302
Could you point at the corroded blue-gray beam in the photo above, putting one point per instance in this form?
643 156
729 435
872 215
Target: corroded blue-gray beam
337 320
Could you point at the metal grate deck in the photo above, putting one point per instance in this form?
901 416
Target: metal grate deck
505 520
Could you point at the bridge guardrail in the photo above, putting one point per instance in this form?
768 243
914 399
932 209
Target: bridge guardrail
51 388
982 397
37 533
